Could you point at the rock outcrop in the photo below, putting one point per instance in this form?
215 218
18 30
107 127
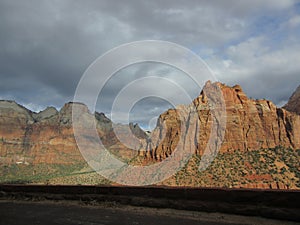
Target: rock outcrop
47 137
250 125
33 138
293 104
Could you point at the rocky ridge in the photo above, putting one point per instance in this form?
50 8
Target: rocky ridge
250 125
28 138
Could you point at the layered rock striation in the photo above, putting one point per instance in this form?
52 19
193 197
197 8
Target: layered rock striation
250 125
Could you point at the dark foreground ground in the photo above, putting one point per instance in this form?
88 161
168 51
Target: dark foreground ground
34 204
66 213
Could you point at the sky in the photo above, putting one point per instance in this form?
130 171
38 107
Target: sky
47 45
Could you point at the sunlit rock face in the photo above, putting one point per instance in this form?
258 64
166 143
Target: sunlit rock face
250 125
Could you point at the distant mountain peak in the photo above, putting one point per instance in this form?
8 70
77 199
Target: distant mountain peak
293 104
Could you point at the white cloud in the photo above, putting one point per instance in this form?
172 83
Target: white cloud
294 21
265 66
33 107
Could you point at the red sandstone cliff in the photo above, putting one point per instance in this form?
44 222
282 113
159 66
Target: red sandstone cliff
31 138
250 125
47 137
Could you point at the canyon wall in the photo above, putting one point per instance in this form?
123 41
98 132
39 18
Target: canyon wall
250 125
47 137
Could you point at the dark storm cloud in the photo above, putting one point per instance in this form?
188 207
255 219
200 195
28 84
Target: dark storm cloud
36 50
152 107
45 46
124 78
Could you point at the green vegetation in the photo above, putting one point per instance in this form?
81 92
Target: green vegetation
261 168
265 168
41 173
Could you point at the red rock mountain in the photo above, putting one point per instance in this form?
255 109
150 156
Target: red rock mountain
250 125
243 125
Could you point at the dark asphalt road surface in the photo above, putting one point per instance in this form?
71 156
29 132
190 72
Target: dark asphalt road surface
24 213
47 213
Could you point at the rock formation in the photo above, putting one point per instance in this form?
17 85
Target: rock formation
32 138
250 125
293 104
47 137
